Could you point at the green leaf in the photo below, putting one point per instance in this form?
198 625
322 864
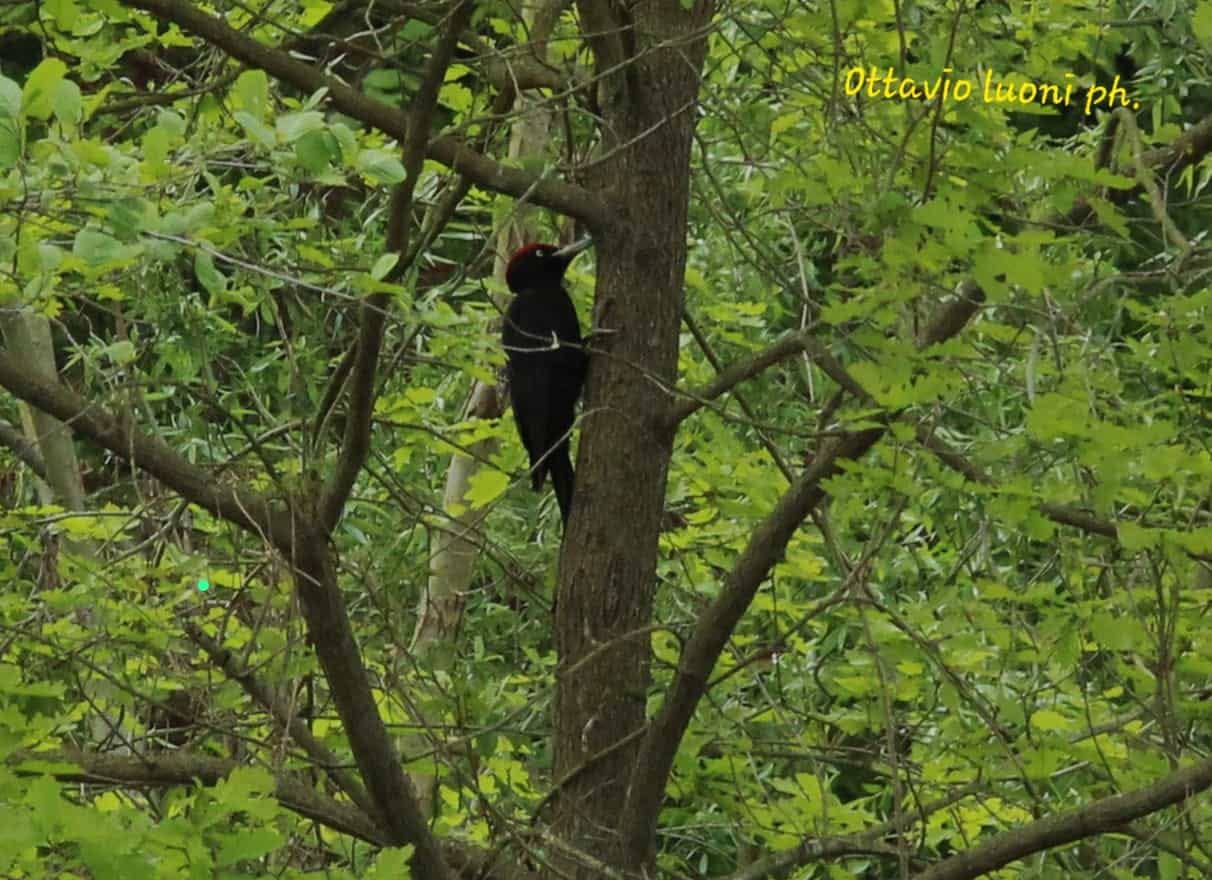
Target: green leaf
121 352
128 217
199 216
246 790
172 122
157 144
1201 23
65 13
10 123
10 141
456 97
208 274
1135 538
95 247
1055 415
67 103
1109 215
316 150
379 166
40 88
785 121
391 864
10 98
1047 719
256 129
383 265
1117 632
248 844
314 12
383 80
50 256
487 484
250 93
293 126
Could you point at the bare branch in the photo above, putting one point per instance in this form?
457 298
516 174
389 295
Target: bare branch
1099 817
22 448
446 149
256 513
766 546
298 731
356 445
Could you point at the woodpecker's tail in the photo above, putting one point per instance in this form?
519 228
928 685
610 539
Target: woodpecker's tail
562 478
538 474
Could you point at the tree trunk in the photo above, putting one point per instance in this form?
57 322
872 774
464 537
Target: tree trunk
609 555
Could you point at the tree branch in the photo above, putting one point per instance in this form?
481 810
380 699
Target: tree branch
256 513
715 624
449 150
802 341
255 688
1188 148
1099 817
294 791
704 345
22 448
736 373
356 445
815 849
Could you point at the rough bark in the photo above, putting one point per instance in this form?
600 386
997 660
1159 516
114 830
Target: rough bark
609 554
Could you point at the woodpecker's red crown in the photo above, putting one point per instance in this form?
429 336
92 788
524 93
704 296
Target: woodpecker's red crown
537 248
538 265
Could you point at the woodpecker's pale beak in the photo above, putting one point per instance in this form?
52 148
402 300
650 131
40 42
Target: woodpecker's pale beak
569 251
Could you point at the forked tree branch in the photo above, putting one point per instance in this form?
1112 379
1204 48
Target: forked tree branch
449 150
373 312
299 541
329 762
716 623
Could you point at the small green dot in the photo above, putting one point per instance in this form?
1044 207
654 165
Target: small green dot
203 584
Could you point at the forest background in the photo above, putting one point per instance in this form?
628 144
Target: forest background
890 553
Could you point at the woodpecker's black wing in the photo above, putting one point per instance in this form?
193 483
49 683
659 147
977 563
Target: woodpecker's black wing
546 369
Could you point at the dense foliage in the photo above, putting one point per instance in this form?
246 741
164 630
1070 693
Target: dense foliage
997 616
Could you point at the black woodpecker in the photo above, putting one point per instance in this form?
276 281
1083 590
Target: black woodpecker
545 361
